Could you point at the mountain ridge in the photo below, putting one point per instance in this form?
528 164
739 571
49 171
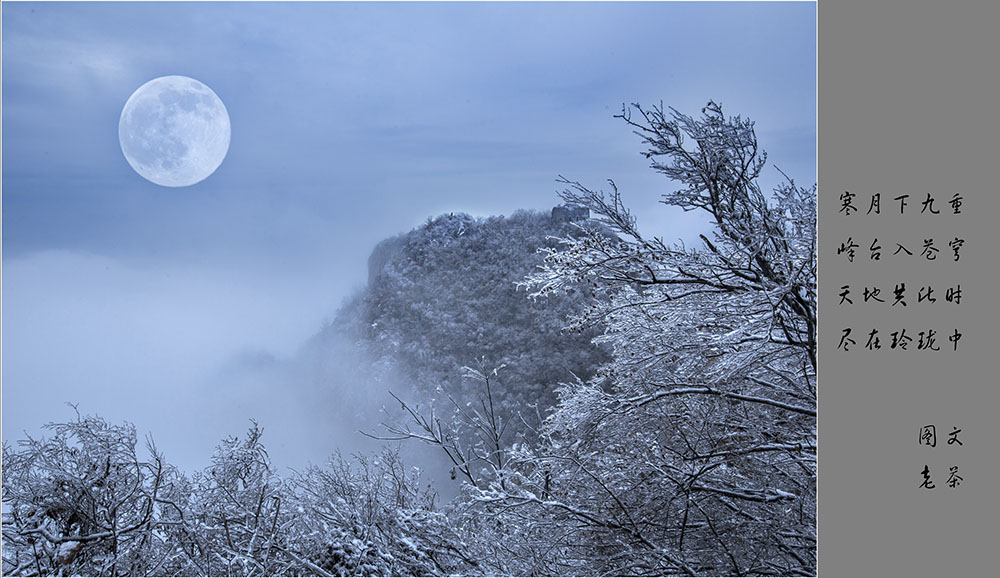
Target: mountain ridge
444 296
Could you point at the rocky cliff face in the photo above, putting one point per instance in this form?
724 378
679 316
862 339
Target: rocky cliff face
445 295
382 254
570 213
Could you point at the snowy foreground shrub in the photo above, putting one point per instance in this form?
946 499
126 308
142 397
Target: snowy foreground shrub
83 502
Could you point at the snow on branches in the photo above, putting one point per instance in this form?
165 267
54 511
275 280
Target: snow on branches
703 425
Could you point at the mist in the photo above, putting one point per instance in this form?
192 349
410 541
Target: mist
191 356
174 334
188 311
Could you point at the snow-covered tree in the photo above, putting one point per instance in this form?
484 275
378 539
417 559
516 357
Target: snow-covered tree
693 451
238 515
375 518
83 502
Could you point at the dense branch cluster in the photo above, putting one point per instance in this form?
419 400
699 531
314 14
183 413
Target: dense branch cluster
83 502
702 429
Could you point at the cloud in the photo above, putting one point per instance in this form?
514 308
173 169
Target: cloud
351 123
140 343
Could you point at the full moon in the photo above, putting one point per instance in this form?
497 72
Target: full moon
174 131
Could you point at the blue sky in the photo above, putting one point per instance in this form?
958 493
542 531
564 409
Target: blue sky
350 123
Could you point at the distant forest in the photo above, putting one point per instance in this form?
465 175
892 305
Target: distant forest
611 404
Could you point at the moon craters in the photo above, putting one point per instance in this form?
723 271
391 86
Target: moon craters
174 131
